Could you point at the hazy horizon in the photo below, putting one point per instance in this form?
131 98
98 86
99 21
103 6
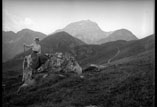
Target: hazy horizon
48 16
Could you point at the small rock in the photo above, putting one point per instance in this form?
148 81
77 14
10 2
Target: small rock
44 76
61 75
81 76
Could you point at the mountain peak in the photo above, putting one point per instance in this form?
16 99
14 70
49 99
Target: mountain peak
85 30
123 30
26 30
120 34
87 21
60 42
61 32
84 23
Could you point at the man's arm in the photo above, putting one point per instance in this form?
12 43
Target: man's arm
40 50
28 46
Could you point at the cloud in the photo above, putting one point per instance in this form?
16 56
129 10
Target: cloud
28 21
12 22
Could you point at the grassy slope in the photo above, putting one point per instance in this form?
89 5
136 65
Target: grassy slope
97 54
135 47
129 84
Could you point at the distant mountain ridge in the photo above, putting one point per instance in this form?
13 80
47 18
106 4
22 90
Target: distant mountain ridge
89 32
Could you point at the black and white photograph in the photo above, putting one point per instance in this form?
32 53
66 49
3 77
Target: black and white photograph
78 53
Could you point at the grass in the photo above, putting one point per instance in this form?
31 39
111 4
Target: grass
126 85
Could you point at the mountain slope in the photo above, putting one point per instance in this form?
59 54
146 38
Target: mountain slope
121 34
9 36
60 42
97 54
85 30
13 42
100 54
137 46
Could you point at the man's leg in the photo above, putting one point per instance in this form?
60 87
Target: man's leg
35 63
42 59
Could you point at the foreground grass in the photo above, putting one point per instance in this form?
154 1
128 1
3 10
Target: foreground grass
125 85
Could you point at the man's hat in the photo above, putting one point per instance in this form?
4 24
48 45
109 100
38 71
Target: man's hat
36 38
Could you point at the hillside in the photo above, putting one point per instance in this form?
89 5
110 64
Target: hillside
60 42
130 84
96 54
137 46
9 36
121 34
104 52
13 42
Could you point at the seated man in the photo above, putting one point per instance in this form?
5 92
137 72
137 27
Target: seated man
37 58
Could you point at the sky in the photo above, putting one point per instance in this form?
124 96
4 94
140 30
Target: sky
47 16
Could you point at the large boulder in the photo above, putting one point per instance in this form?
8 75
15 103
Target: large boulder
59 62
